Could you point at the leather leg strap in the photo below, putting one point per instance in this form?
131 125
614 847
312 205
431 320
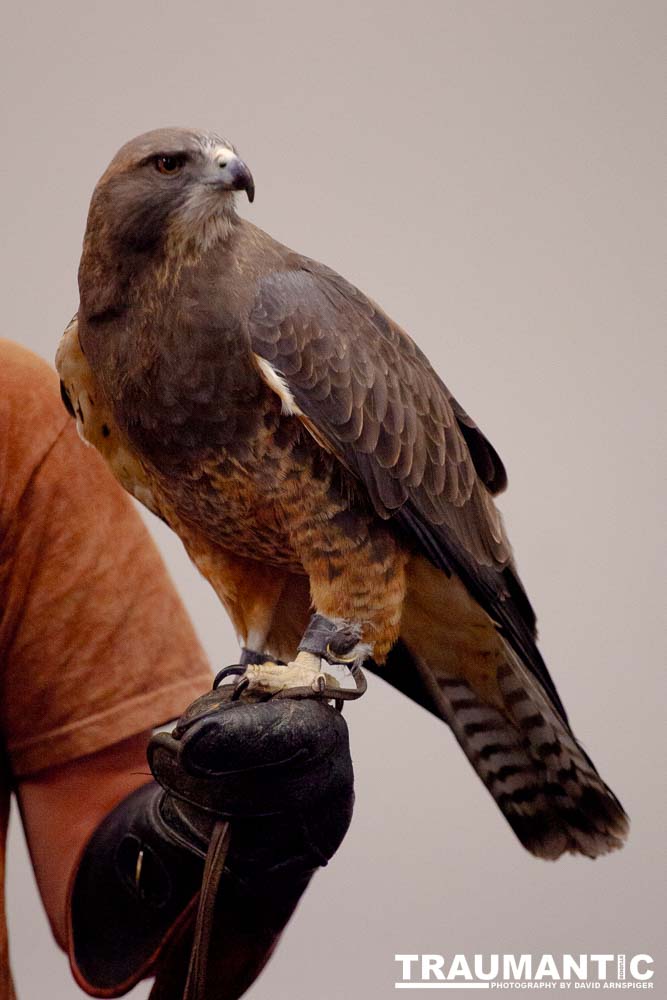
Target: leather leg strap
333 641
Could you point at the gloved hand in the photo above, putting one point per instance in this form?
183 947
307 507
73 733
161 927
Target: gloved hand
280 773
280 770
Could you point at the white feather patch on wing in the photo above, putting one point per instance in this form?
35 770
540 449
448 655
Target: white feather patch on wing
277 383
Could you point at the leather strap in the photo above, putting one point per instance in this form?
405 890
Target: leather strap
330 640
196 987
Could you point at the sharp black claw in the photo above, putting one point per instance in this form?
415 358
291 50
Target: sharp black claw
235 671
242 685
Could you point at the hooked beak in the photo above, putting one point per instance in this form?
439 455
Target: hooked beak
232 174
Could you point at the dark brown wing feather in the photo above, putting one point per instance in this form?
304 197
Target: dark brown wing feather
372 395
363 383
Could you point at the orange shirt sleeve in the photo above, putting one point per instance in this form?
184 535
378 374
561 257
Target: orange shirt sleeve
95 644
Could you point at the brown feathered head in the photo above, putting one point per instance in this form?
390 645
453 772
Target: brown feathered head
170 180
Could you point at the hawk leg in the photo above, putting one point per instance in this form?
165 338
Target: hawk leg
337 642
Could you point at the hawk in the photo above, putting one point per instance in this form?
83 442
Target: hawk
313 463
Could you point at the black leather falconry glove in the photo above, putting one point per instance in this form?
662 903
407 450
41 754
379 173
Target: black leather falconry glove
252 799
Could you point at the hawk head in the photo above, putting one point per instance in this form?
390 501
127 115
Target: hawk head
171 182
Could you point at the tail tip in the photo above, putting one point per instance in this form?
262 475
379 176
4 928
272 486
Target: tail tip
597 826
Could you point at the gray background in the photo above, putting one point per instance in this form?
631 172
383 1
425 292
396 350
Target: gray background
489 172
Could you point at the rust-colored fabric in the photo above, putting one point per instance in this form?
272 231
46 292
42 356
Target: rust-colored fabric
95 645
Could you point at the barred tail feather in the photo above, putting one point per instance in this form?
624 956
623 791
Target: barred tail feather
541 779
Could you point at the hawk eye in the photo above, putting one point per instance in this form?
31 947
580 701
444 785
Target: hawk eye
166 164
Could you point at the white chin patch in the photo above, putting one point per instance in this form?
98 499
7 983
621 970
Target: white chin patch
206 216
